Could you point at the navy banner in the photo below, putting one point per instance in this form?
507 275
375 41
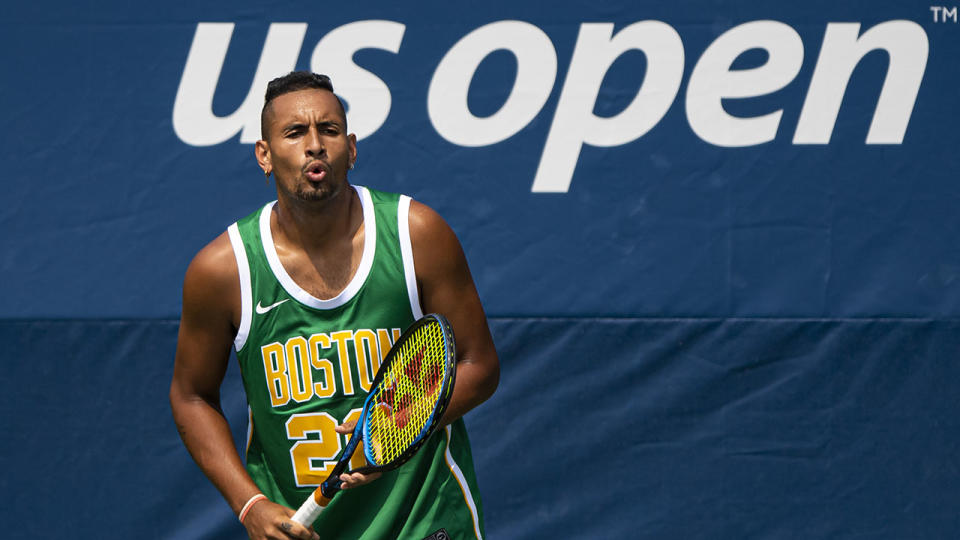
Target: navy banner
627 159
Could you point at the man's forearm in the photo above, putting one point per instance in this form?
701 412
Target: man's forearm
206 434
475 384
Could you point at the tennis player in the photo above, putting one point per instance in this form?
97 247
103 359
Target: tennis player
311 290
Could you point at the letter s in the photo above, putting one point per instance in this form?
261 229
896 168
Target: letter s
367 96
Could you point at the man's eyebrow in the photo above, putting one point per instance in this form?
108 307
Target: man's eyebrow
299 124
294 125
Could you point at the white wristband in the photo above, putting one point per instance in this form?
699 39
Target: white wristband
250 502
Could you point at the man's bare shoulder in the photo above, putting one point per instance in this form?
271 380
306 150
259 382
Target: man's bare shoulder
437 252
215 262
427 226
211 283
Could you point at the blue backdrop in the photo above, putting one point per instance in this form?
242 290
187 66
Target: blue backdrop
716 242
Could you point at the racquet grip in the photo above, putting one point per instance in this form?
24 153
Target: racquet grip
310 510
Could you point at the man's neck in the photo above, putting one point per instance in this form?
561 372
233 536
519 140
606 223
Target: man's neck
316 226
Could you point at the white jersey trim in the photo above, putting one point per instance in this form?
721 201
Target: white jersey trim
406 251
352 288
249 430
464 487
246 294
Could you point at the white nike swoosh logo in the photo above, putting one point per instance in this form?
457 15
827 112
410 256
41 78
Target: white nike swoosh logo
261 310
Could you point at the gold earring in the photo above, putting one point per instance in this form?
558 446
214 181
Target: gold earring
267 177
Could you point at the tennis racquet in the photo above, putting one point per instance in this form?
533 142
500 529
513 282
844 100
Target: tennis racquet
403 408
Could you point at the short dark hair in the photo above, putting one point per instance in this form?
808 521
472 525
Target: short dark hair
293 82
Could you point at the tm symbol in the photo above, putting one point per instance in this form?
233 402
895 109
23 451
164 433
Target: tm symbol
942 14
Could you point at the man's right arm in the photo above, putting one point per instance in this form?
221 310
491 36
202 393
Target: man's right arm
211 314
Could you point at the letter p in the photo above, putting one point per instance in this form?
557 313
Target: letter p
574 122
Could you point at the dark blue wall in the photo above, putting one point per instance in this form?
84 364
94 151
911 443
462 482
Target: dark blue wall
698 340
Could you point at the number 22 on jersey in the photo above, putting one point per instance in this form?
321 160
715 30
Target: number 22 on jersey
314 458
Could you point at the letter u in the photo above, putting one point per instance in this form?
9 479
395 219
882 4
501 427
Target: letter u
193 118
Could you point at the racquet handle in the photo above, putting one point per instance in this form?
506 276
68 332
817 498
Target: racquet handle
310 510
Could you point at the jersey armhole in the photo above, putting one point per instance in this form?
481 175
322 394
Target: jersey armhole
246 295
406 251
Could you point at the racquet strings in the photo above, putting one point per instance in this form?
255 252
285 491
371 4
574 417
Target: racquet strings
408 394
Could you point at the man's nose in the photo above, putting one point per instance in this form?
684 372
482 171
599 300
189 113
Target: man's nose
314 143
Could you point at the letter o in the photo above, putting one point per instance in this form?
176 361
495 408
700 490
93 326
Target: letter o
536 72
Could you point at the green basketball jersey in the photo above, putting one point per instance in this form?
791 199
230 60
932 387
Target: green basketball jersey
307 364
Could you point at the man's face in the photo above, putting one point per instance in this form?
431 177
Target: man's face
307 147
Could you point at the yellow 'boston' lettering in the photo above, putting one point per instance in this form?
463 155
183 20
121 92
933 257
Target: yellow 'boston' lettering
326 384
385 342
275 368
298 369
365 345
303 368
346 377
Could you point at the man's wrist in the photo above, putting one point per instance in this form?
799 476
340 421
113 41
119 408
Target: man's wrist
250 502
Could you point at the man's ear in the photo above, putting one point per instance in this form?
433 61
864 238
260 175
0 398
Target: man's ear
262 151
352 141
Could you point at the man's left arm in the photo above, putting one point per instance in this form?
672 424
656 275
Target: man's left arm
446 287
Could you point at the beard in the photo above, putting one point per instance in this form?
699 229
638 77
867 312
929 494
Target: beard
311 195
307 191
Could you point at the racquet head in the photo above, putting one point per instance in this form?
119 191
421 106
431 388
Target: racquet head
403 408
409 394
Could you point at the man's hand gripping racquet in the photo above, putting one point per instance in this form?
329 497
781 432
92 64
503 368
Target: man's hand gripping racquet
403 408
